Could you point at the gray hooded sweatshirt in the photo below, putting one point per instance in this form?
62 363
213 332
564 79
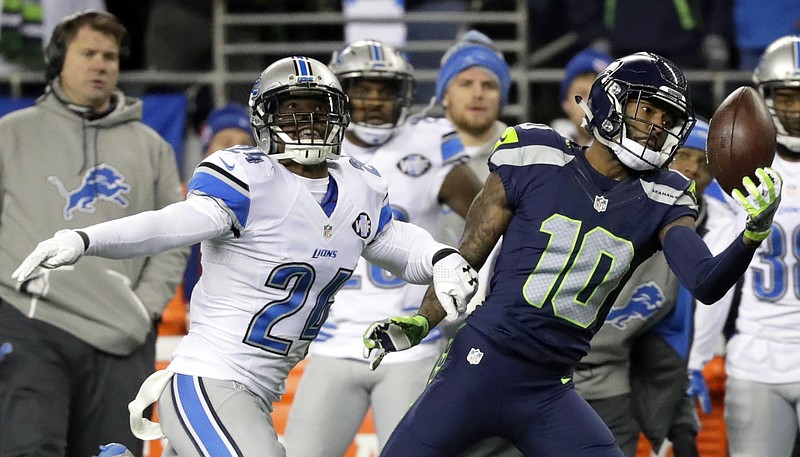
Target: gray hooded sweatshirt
60 169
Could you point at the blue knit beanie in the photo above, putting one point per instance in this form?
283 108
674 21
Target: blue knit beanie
473 50
697 137
232 115
587 61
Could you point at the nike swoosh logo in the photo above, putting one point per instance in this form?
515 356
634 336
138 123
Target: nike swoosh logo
229 167
565 379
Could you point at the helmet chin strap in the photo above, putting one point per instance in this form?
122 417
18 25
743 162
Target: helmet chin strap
792 143
373 135
648 160
304 154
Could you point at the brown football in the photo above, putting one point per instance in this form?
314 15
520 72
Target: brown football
741 138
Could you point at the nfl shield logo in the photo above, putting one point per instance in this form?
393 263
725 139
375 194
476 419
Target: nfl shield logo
600 203
327 231
474 357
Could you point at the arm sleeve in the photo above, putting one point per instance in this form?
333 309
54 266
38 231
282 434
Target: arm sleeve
405 250
162 273
179 224
707 277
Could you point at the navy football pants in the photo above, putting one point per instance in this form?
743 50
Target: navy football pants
496 393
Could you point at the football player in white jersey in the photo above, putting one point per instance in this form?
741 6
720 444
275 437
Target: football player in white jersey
281 228
762 398
424 164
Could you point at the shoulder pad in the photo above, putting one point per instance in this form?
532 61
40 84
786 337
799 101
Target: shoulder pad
357 171
530 144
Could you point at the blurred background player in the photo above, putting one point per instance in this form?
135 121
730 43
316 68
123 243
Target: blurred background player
541 311
424 164
282 227
83 337
634 375
579 74
762 393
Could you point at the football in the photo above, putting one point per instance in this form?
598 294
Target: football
741 138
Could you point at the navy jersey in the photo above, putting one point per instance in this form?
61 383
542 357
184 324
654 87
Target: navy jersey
574 238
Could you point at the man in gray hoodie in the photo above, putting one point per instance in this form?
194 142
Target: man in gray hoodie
83 338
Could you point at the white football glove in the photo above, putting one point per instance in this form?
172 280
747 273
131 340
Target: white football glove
64 248
454 281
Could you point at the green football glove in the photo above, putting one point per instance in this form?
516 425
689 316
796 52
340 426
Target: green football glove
391 335
761 202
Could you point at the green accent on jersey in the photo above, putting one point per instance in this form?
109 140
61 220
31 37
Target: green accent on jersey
12 6
442 358
566 379
509 136
32 13
693 191
577 282
685 14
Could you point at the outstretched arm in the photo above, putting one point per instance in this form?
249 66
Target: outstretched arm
709 277
179 224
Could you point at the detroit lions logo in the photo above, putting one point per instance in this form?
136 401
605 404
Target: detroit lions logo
645 301
102 182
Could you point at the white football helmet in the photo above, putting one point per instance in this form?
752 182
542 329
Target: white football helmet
633 78
305 137
375 60
779 68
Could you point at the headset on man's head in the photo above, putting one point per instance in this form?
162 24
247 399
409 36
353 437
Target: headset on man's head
68 26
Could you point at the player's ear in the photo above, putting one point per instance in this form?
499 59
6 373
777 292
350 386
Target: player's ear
445 102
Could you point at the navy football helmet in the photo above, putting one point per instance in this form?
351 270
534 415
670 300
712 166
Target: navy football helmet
306 137
633 79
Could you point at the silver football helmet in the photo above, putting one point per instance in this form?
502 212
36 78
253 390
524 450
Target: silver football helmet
284 126
779 68
375 60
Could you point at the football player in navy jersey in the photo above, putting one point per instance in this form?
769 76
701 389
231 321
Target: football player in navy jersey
576 222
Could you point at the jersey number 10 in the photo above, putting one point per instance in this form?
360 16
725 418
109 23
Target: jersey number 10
577 274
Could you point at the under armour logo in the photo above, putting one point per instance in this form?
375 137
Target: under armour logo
472 280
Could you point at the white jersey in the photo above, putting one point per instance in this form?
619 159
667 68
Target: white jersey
268 282
723 224
766 346
415 162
